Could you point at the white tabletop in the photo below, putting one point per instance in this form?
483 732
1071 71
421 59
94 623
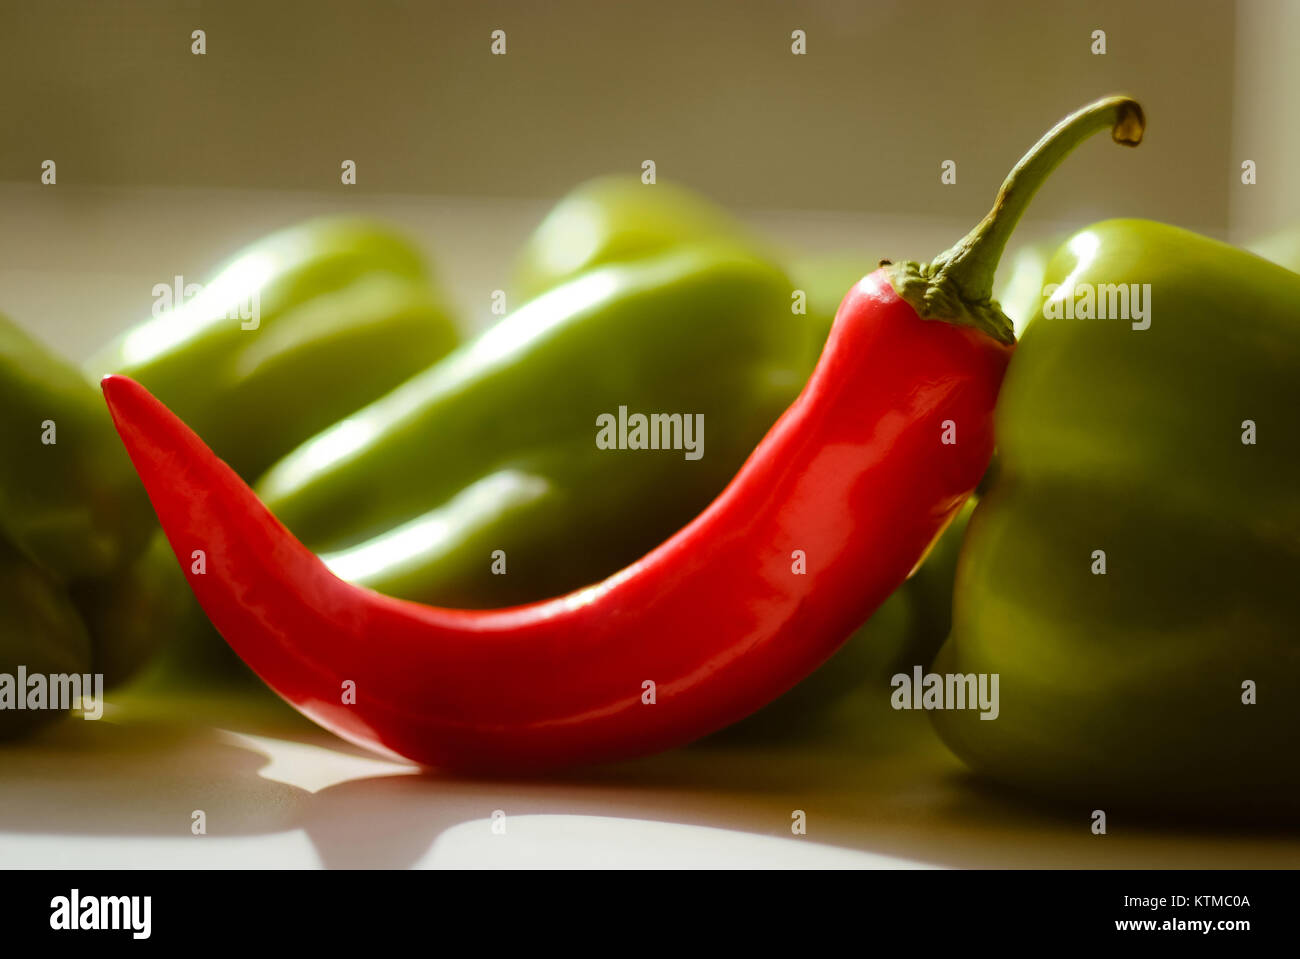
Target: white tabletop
875 787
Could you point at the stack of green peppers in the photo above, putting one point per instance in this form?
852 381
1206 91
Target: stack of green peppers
480 483
297 331
73 522
1130 574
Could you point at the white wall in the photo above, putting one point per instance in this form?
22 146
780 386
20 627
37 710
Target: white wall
1266 121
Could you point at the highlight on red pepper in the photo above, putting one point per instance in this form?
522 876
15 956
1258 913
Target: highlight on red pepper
822 523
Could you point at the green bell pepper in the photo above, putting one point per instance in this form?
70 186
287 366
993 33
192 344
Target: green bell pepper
615 219
295 333
40 633
481 482
1131 572
69 498
619 219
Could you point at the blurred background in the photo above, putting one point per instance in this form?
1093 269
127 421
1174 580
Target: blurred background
168 161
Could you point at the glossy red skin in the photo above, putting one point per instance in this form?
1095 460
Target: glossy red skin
853 474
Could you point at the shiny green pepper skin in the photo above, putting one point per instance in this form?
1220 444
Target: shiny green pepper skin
296 332
40 631
495 447
615 219
1130 685
69 498
619 219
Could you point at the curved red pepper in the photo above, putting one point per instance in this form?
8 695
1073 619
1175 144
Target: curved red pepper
854 475
858 477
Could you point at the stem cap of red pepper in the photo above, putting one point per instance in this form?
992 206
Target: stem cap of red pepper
957 285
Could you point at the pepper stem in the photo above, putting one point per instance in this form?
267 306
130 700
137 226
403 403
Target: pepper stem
957 285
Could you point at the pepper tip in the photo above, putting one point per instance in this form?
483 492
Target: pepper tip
112 383
118 390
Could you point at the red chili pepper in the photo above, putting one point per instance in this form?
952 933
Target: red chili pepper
857 477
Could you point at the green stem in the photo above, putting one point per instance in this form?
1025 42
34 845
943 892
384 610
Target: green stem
957 285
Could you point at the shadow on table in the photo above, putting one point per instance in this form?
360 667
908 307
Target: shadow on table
875 780
141 778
